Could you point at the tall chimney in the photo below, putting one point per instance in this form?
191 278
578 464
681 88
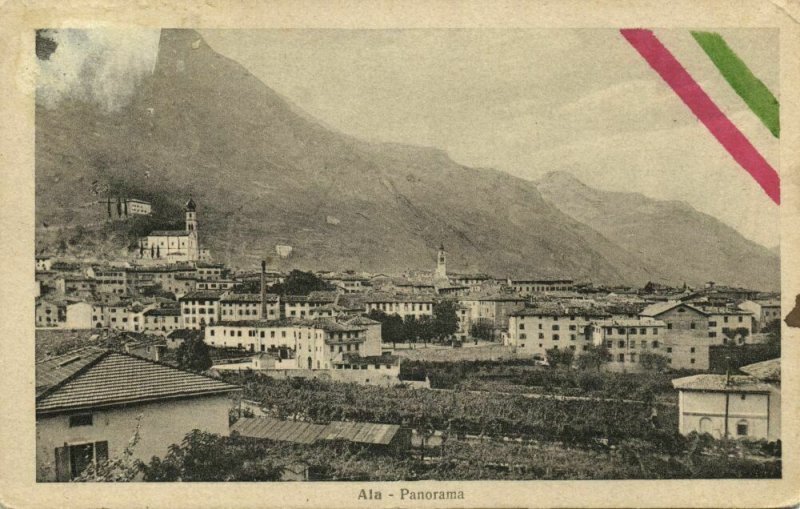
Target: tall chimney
263 289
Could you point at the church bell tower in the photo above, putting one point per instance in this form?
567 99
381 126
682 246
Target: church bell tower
191 216
441 263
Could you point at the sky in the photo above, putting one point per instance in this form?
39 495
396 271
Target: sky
525 101
531 101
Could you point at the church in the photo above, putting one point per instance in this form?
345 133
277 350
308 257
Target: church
172 246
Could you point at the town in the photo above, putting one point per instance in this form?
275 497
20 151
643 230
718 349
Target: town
165 365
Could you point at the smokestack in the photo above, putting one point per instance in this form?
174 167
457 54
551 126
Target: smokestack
263 289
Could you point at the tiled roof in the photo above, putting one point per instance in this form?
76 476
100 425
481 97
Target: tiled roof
542 281
663 307
297 432
720 383
113 378
185 334
305 432
557 310
51 372
202 295
642 322
361 320
401 298
248 297
766 370
360 432
169 233
163 312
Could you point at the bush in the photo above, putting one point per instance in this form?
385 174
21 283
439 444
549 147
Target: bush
557 357
590 381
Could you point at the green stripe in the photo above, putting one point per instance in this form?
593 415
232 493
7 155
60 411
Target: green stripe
752 91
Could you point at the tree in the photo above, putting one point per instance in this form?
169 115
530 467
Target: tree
392 329
301 283
445 319
652 361
773 332
558 357
123 468
594 357
425 328
482 329
411 328
193 355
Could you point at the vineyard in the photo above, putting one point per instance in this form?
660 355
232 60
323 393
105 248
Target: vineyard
581 422
519 375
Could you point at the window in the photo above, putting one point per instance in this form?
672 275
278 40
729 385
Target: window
80 420
655 344
712 334
72 460
573 327
741 428
521 326
692 325
669 325
740 319
621 357
691 350
609 344
669 349
541 336
522 336
712 323
633 344
621 331
725 319
540 325
691 361
622 344
211 332
555 337
633 357
572 337
555 326
633 332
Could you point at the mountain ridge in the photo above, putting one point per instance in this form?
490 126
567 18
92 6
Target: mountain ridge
262 174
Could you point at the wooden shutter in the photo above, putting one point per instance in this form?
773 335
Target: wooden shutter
62 464
100 452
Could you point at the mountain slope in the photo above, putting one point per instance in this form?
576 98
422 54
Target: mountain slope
671 237
262 174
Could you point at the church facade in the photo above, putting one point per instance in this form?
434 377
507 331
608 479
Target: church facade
171 246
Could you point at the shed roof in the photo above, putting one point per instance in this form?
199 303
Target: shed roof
720 383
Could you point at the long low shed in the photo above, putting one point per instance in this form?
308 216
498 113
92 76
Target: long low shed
299 432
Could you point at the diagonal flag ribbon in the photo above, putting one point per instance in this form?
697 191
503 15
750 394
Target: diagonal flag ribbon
751 89
690 92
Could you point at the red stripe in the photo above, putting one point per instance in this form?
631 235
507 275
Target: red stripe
737 145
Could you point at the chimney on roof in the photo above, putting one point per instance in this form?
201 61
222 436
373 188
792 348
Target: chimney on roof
263 289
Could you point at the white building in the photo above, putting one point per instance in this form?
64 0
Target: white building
200 308
139 207
403 305
536 330
89 403
172 246
732 406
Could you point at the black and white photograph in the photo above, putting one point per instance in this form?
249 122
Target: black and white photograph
406 259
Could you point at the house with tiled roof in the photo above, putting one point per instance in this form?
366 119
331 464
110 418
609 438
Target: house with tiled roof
734 406
91 402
